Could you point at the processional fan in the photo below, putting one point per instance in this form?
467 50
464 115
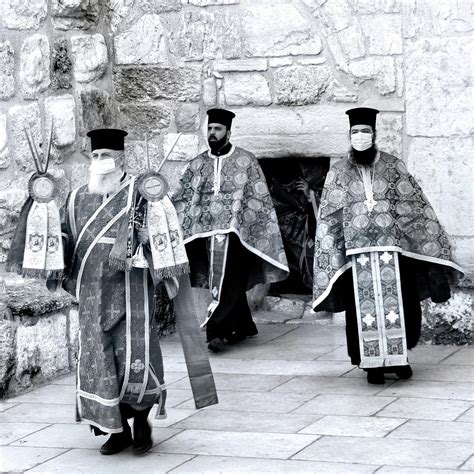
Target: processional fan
153 186
36 249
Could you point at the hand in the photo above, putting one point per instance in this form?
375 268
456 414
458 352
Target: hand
142 234
303 186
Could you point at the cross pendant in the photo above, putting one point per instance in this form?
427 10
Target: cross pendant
370 203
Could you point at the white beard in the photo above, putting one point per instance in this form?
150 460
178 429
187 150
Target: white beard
104 183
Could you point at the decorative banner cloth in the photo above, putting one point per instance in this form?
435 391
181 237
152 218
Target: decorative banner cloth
37 249
402 221
235 200
379 306
166 241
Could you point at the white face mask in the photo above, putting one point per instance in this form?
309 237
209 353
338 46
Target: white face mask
105 166
361 141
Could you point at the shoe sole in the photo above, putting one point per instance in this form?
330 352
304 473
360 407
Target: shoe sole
144 449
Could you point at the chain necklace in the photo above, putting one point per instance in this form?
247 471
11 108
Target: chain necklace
368 182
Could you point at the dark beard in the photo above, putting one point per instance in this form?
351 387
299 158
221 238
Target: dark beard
366 157
216 145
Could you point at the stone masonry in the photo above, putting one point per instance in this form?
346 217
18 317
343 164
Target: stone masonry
288 68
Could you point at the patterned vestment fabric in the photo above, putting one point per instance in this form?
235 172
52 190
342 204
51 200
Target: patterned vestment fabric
379 307
402 221
242 205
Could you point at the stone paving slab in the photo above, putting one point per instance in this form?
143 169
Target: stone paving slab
176 397
468 465
338 385
425 409
345 405
279 351
282 367
468 416
239 465
238 382
409 453
427 389
435 430
77 461
70 436
362 426
29 412
444 373
229 443
262 402
6 405
414 470
173 415
65 380
19 459
65 395
212 419
10 432
463 356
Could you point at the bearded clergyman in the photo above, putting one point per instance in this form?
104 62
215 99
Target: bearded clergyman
230 229
120 368
379 251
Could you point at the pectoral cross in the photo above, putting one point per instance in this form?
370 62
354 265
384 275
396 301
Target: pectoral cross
370 203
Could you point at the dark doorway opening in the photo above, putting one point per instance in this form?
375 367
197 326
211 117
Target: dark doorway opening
295 185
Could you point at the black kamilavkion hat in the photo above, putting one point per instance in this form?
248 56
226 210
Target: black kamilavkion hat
221 116
110 138
362 116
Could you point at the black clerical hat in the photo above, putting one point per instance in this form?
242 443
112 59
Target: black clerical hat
110 138
362 116
221 116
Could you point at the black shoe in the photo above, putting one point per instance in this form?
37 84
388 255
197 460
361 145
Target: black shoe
142 440
216 345
375 376
404 372
117 443
235 338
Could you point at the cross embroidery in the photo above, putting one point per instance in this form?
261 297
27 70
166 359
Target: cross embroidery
368 319
392 317
386 258
363 259
137 366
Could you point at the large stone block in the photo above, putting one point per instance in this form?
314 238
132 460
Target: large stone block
96 109
246 89
443 167
380 69
62 112
4 156
90 57
390 133
390 41
163 6
376 6
337 53
206 35
206 3
335 15
74 14
209 92
117 10
285 31
351 40
436 17
42 347
19 15
7 70
300 85
186 148
142 43
187 117
143 84
61 64
439 87
7 353
20 117
140 118
34 66
306 131
241 65
135 155
463 251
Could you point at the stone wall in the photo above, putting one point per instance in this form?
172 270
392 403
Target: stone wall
288 68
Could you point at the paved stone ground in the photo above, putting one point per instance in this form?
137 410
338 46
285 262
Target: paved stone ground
289 402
